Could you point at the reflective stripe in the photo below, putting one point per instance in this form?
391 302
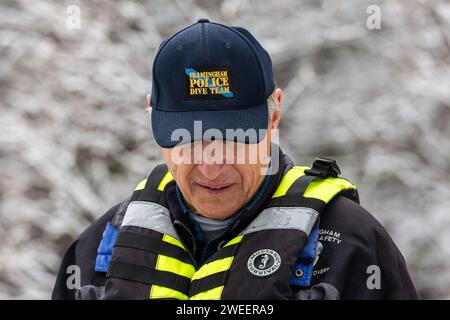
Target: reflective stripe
289 178
322 189
165 180
234 241
213 294
213 267
169 264
151 216
299 218
172 240
326 189
159 292
141 185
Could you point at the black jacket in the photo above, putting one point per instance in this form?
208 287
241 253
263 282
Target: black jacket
355 249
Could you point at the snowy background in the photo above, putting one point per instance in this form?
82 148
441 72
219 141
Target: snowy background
75 136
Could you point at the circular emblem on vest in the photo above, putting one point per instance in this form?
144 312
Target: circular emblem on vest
264 262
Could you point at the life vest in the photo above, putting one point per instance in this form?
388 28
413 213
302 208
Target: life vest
150 260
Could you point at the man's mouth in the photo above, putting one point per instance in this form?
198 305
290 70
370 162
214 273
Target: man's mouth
214 188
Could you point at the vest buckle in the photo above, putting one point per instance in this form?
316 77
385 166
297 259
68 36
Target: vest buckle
324 168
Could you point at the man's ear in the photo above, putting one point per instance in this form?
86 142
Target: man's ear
148 104
276 117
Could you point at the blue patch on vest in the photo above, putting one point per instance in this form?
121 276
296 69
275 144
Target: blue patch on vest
302 271
105 248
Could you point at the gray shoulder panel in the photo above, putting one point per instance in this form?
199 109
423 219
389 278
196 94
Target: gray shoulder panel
299 218
151 216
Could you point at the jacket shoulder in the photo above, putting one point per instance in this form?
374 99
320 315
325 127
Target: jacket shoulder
355 244
346 223
89 239
99 225
83 252
347 214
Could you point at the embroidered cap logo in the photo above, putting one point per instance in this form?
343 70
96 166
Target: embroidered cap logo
208 83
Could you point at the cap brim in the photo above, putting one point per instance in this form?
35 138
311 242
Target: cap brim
176 128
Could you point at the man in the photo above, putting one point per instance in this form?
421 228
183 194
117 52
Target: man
229 216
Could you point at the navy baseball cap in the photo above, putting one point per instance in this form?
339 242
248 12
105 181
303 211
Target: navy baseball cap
216 74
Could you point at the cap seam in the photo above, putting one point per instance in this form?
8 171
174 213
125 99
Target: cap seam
157 55
253 52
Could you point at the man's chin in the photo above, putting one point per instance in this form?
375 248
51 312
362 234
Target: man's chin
212 213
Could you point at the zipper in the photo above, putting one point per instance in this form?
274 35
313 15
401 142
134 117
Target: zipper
194 241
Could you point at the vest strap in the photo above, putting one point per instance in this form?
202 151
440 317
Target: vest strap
215 280
152 244
299 186
208 282
148 276
156 176
151 189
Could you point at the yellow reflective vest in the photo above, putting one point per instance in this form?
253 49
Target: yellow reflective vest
150 260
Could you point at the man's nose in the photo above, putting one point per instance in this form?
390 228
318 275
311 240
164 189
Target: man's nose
212 171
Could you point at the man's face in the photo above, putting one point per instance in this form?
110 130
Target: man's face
218 189
216 184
